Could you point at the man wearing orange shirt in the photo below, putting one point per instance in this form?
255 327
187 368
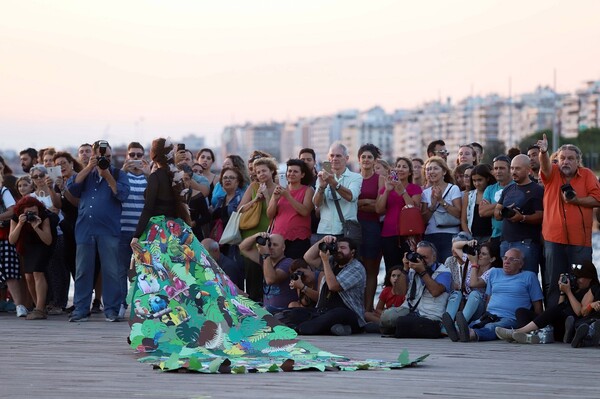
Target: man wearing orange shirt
571 193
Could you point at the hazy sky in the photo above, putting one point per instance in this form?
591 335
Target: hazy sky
76 71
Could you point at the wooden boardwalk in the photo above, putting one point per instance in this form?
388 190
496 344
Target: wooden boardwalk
57 359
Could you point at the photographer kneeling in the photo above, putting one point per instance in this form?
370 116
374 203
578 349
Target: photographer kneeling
306 281
340 308
426 285
31 233
268 251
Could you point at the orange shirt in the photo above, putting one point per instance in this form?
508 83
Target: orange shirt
566 223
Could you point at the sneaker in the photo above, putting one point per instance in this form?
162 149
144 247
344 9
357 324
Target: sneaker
76 318
448 324
580 335
122 311
7 306
505 334
526 338
112 317
21 311
37 314
569 329
341 330
96 307
70 309
372 328
463 327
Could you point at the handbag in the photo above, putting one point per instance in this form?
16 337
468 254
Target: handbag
411 222
216 232
444 219
231 233
350 228
250 218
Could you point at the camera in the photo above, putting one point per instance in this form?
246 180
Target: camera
414 257
508 212
331 247
298 274
470 250
30 216
567 189
262 241
569 278
103 162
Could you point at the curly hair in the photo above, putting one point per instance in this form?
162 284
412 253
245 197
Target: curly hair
27 202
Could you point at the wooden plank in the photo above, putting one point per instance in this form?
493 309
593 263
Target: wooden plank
57 359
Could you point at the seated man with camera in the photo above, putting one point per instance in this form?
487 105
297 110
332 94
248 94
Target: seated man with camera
306 280
339 309
268 251
427 285
520 208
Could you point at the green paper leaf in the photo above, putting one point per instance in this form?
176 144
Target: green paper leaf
213 367
403 358
195 364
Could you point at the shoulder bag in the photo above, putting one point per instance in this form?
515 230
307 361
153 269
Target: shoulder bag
350 228
250 218
445 219
411 222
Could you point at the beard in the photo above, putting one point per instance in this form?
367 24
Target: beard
343 259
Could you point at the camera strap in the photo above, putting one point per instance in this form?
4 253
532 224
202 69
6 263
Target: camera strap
444 196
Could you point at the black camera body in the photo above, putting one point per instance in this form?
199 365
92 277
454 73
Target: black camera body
509 211
30 216
414 257
298 274
262 241
569 278
567 189
331 247
470 250
103 162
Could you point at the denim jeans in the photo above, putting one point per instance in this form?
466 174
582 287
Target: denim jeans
443 244
488 332
531 251
559 258
108 248
473 309
125 253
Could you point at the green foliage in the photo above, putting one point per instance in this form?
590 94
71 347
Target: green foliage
187 333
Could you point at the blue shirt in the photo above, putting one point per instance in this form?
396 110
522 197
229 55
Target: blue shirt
509 292
99 208
492 195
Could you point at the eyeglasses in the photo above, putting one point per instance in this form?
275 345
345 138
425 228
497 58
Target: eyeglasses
229 177
37 176
510 259
136 154
441 152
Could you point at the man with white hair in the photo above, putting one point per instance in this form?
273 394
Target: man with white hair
571 192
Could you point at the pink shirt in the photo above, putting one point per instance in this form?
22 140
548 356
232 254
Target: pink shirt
289 223
395 203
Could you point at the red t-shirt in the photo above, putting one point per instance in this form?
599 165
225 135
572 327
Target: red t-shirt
390 299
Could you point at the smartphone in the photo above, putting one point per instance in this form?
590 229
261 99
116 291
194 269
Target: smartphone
282 180
393 175
137 163
327 166
181 147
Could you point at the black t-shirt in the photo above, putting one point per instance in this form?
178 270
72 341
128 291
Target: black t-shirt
528 198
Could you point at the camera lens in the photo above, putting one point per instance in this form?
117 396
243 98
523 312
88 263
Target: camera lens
262 240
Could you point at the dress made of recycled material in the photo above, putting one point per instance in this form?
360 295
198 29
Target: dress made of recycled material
185 313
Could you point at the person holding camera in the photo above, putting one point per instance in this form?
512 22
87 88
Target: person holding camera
268 251
508 289
570 194
575 287
340 296
426 284
306 280
469 280
30 232
520 208
101 189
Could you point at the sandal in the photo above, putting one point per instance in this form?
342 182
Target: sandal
36 314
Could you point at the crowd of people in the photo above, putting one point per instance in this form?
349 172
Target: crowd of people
462 241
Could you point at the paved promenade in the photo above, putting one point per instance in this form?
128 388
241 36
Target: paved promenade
56 359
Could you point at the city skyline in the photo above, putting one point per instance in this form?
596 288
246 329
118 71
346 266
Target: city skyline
77 72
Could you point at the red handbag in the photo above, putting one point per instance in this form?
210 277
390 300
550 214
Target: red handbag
410 222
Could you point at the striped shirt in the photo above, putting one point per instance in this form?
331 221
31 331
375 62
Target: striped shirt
133 205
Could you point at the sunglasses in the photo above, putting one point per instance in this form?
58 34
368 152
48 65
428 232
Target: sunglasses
37 176
136 154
